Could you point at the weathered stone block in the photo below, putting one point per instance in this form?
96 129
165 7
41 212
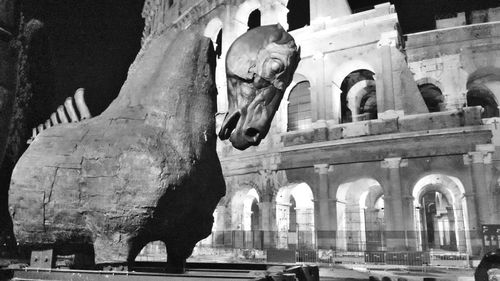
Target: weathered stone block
335 133
296 138
471 115
320 134
378 127
356 129
432 121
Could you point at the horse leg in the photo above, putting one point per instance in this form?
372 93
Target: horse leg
177 253
135 246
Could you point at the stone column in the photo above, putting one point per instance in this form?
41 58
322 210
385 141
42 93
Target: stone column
337 104
385 88
268 224
411 232
479 161
220 225
395 231
318 105
473 233
267 207
325 238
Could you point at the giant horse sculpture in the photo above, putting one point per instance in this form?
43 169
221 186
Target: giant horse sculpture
146 169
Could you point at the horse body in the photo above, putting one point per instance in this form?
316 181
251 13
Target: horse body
146 169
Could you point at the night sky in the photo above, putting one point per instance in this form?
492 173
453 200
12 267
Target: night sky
93 42
91 45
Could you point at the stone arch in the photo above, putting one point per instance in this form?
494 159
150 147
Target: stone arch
430 80
480 95
249 203
357 98
213 30
483 89
242 14
299 107
283 109
367 93
340 90
300 195
356 216
483 75
344 69
432 93
452 225
241 203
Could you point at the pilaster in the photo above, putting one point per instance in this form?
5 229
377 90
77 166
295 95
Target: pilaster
385 88
396 214
267 207
318 95
322 208
481 207
480 163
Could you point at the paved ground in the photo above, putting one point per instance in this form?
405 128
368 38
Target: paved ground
357 271
341 273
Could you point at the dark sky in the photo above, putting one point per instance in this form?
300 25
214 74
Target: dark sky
93 42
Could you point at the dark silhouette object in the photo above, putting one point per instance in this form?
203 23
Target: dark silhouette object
304 272
490 260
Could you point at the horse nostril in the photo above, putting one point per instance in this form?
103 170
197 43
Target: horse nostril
252 133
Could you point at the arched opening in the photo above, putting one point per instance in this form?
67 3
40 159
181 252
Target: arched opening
480 95
295 217
375 225
438 222
299 107
440 211
213 30
298 14
250 219
153 251
483 89
218 44
255 216
245 219
254 19
360 216
433 97
358 97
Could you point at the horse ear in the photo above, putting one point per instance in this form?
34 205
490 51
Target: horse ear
299 50
278 25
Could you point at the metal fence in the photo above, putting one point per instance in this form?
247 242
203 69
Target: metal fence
300 247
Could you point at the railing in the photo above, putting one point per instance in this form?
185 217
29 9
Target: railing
449 259
259 239
261 246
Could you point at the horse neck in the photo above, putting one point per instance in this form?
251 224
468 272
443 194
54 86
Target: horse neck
172 87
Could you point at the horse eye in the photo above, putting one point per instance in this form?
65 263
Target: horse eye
276 66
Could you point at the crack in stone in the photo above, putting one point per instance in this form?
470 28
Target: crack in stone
49 198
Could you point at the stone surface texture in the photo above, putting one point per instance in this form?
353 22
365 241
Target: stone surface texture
146 169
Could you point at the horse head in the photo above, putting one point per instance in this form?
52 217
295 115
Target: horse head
259 66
